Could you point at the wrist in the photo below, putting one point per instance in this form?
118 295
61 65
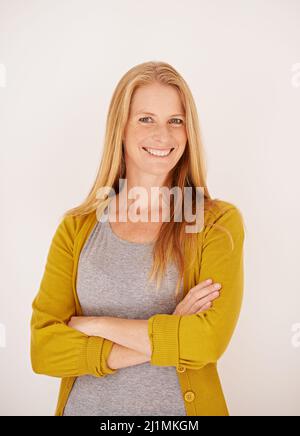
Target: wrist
97 326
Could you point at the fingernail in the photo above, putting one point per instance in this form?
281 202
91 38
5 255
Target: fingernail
217 286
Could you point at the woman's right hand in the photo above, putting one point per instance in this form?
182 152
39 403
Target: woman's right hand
198 299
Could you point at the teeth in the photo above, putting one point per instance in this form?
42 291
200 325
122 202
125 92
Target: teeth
158 152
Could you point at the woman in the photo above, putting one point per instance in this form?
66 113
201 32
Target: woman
121 345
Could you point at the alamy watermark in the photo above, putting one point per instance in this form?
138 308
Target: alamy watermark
295 79
296 335
2 76
160 200
2 336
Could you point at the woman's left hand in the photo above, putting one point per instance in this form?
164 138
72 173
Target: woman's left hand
85 324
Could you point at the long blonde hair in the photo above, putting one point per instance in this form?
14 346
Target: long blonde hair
190 170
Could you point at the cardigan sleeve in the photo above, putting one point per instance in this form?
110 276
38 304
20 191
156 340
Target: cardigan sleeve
193 341
56 349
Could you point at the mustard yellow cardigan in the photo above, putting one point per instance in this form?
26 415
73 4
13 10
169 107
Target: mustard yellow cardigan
191 343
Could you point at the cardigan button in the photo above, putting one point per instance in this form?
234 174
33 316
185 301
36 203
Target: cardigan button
181 368
189 396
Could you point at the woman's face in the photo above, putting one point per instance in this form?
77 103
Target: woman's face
157 123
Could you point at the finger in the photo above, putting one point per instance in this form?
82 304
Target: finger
205 307
209 298
197 308
197 294
202 284
204 301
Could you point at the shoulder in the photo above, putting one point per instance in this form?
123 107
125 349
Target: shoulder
222 213
70 226
220 207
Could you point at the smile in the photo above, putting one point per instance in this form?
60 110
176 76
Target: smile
159 153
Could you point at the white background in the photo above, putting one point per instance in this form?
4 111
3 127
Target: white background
60 63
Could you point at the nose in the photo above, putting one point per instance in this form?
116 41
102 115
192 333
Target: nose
162 135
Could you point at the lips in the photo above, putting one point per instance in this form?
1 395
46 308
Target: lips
157 151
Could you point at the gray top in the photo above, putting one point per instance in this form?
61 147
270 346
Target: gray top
112 281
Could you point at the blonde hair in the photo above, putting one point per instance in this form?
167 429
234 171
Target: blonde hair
190 170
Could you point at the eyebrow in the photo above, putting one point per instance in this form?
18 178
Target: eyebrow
151 113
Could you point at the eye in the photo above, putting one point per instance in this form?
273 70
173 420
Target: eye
177 119
144 118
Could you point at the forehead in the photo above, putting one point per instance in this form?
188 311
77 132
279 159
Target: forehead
156 98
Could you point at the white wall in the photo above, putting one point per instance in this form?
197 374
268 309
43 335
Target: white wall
60 62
